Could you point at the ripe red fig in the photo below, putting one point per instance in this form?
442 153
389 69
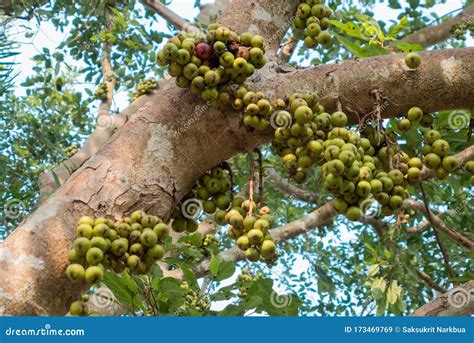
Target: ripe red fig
204 51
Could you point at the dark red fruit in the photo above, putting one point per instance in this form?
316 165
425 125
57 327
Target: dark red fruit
204 51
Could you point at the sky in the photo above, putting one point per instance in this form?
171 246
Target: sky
48 37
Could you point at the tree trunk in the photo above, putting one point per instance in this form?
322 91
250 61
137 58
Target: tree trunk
458 301
153 160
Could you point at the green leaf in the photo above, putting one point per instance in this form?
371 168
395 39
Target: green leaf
396 29
226 269
190 278
406 47
349 28
351 46
117 286
373 270
214 267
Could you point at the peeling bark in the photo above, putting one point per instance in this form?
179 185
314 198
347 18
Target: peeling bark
458 301
172 138
150 163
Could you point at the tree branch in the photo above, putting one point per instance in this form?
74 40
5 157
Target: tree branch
456 302
303 225
439 225
153 160
381 228
420 227
442 248
428 280
432 35
288 188
289 46
462 157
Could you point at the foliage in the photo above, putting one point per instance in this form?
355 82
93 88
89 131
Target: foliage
351 270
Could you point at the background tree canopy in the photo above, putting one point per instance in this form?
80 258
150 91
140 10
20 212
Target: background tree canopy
61 125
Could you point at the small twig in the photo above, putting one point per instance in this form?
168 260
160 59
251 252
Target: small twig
251 182
447 266
260 178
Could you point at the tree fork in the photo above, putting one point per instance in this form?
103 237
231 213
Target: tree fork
150 164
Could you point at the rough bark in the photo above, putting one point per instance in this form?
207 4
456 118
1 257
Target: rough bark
153 160
458 301
150 163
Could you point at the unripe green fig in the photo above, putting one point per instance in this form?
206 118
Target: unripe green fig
191 225
84 230
119 246
396 202
415 114
354 213
469 167
137 249
219 217
148 238
86 220
78 308
415 162
267 249
81 245
75 272
124 229
94 274
340 205
412 60
243 243
248 223
255 236
432 135
100 230
404 125
450 163
99 242
94 256
262 225
440 147
432 161
156 252
252 254
133 261
161 230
